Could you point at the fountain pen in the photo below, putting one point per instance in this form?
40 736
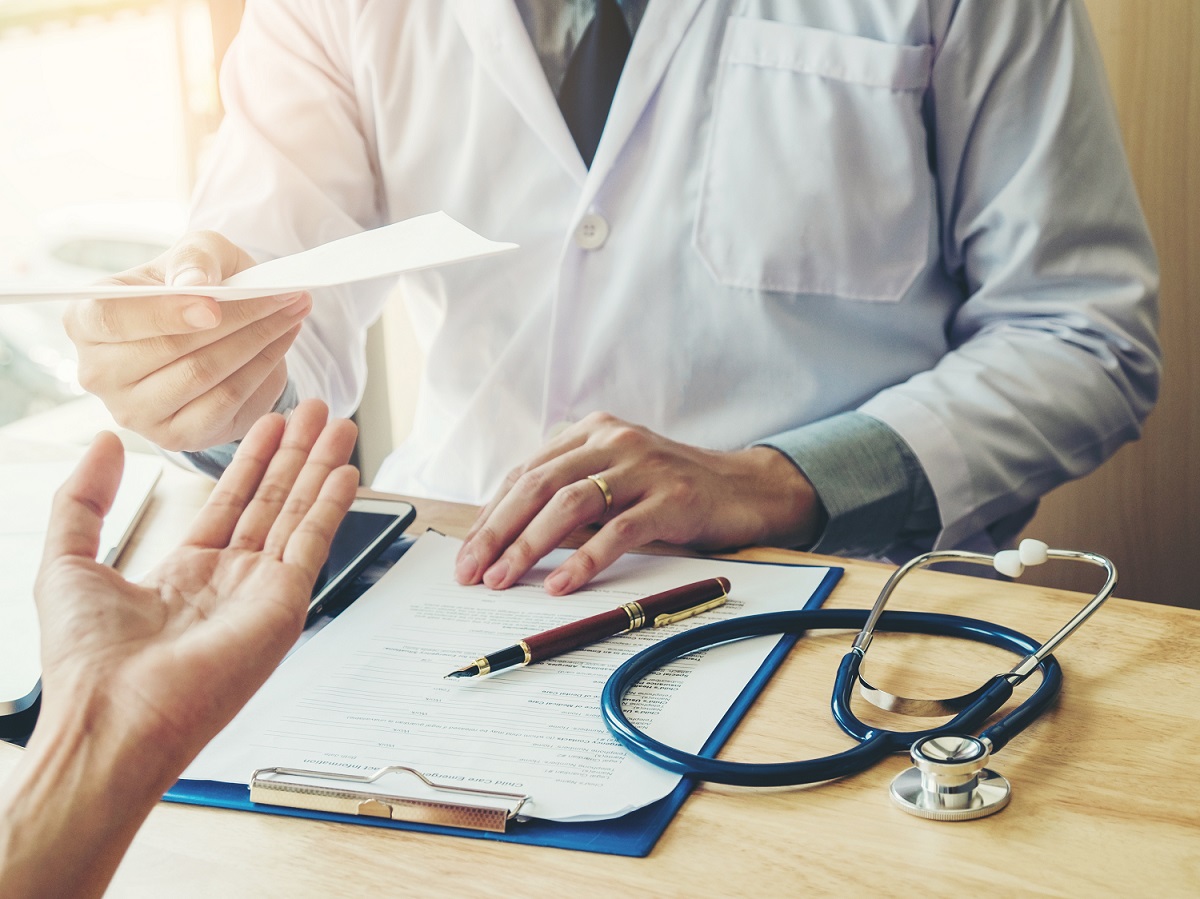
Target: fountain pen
658 610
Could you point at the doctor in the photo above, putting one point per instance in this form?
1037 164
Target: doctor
858 275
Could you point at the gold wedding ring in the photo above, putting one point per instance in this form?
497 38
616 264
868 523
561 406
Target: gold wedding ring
603 485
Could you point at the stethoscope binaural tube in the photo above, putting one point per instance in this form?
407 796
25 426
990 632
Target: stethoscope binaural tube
874 744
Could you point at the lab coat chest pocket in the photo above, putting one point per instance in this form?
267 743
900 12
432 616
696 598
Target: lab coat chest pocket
816 179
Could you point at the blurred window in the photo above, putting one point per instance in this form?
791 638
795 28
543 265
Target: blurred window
106 112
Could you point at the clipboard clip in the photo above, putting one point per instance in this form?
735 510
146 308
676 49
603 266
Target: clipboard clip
430 803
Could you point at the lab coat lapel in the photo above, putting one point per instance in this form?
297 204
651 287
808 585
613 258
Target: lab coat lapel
658 37
497 37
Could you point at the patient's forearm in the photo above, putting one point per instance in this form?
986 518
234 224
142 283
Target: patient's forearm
71 808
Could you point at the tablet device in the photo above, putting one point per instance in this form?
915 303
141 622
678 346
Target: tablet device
367 530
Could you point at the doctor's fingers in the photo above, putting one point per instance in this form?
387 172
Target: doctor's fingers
578 503
112 370
554 449
646 505
202 257
641 522
199 258
163 323
600 432
196 403
557 492
638 525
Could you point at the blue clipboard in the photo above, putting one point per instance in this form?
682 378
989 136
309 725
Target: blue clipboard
633 834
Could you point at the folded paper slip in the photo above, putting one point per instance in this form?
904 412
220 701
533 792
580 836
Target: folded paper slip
426 241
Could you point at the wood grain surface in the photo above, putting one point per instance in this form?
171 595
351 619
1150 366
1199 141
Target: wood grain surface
1105 800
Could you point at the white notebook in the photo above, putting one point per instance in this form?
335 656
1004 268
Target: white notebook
26 490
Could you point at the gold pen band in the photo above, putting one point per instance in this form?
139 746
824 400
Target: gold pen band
637 617
505 659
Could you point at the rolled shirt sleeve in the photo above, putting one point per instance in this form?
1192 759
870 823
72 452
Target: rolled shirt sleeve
873 489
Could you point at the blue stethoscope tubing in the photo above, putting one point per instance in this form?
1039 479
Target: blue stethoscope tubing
873 744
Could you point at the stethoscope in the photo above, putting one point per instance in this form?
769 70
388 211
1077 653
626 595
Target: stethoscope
949 780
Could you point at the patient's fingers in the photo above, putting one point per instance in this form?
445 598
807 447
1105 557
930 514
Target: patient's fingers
215 523
331 451
303 429
308 542
83 500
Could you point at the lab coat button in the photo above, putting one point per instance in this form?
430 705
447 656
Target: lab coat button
592 232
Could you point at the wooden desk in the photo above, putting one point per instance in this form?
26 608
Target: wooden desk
1105 797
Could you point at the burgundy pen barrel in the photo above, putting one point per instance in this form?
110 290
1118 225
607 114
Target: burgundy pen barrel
562 639
630 616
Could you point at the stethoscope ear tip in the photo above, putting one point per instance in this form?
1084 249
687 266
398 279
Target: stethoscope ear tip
949 782
1013 562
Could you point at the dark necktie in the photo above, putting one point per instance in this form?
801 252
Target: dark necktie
592 76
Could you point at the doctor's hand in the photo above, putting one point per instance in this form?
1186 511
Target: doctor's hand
186 372
138 677
639 487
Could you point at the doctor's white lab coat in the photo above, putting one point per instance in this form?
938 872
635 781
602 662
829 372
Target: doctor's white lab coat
919 209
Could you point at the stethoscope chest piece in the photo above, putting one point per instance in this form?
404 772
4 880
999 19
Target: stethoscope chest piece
949 781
